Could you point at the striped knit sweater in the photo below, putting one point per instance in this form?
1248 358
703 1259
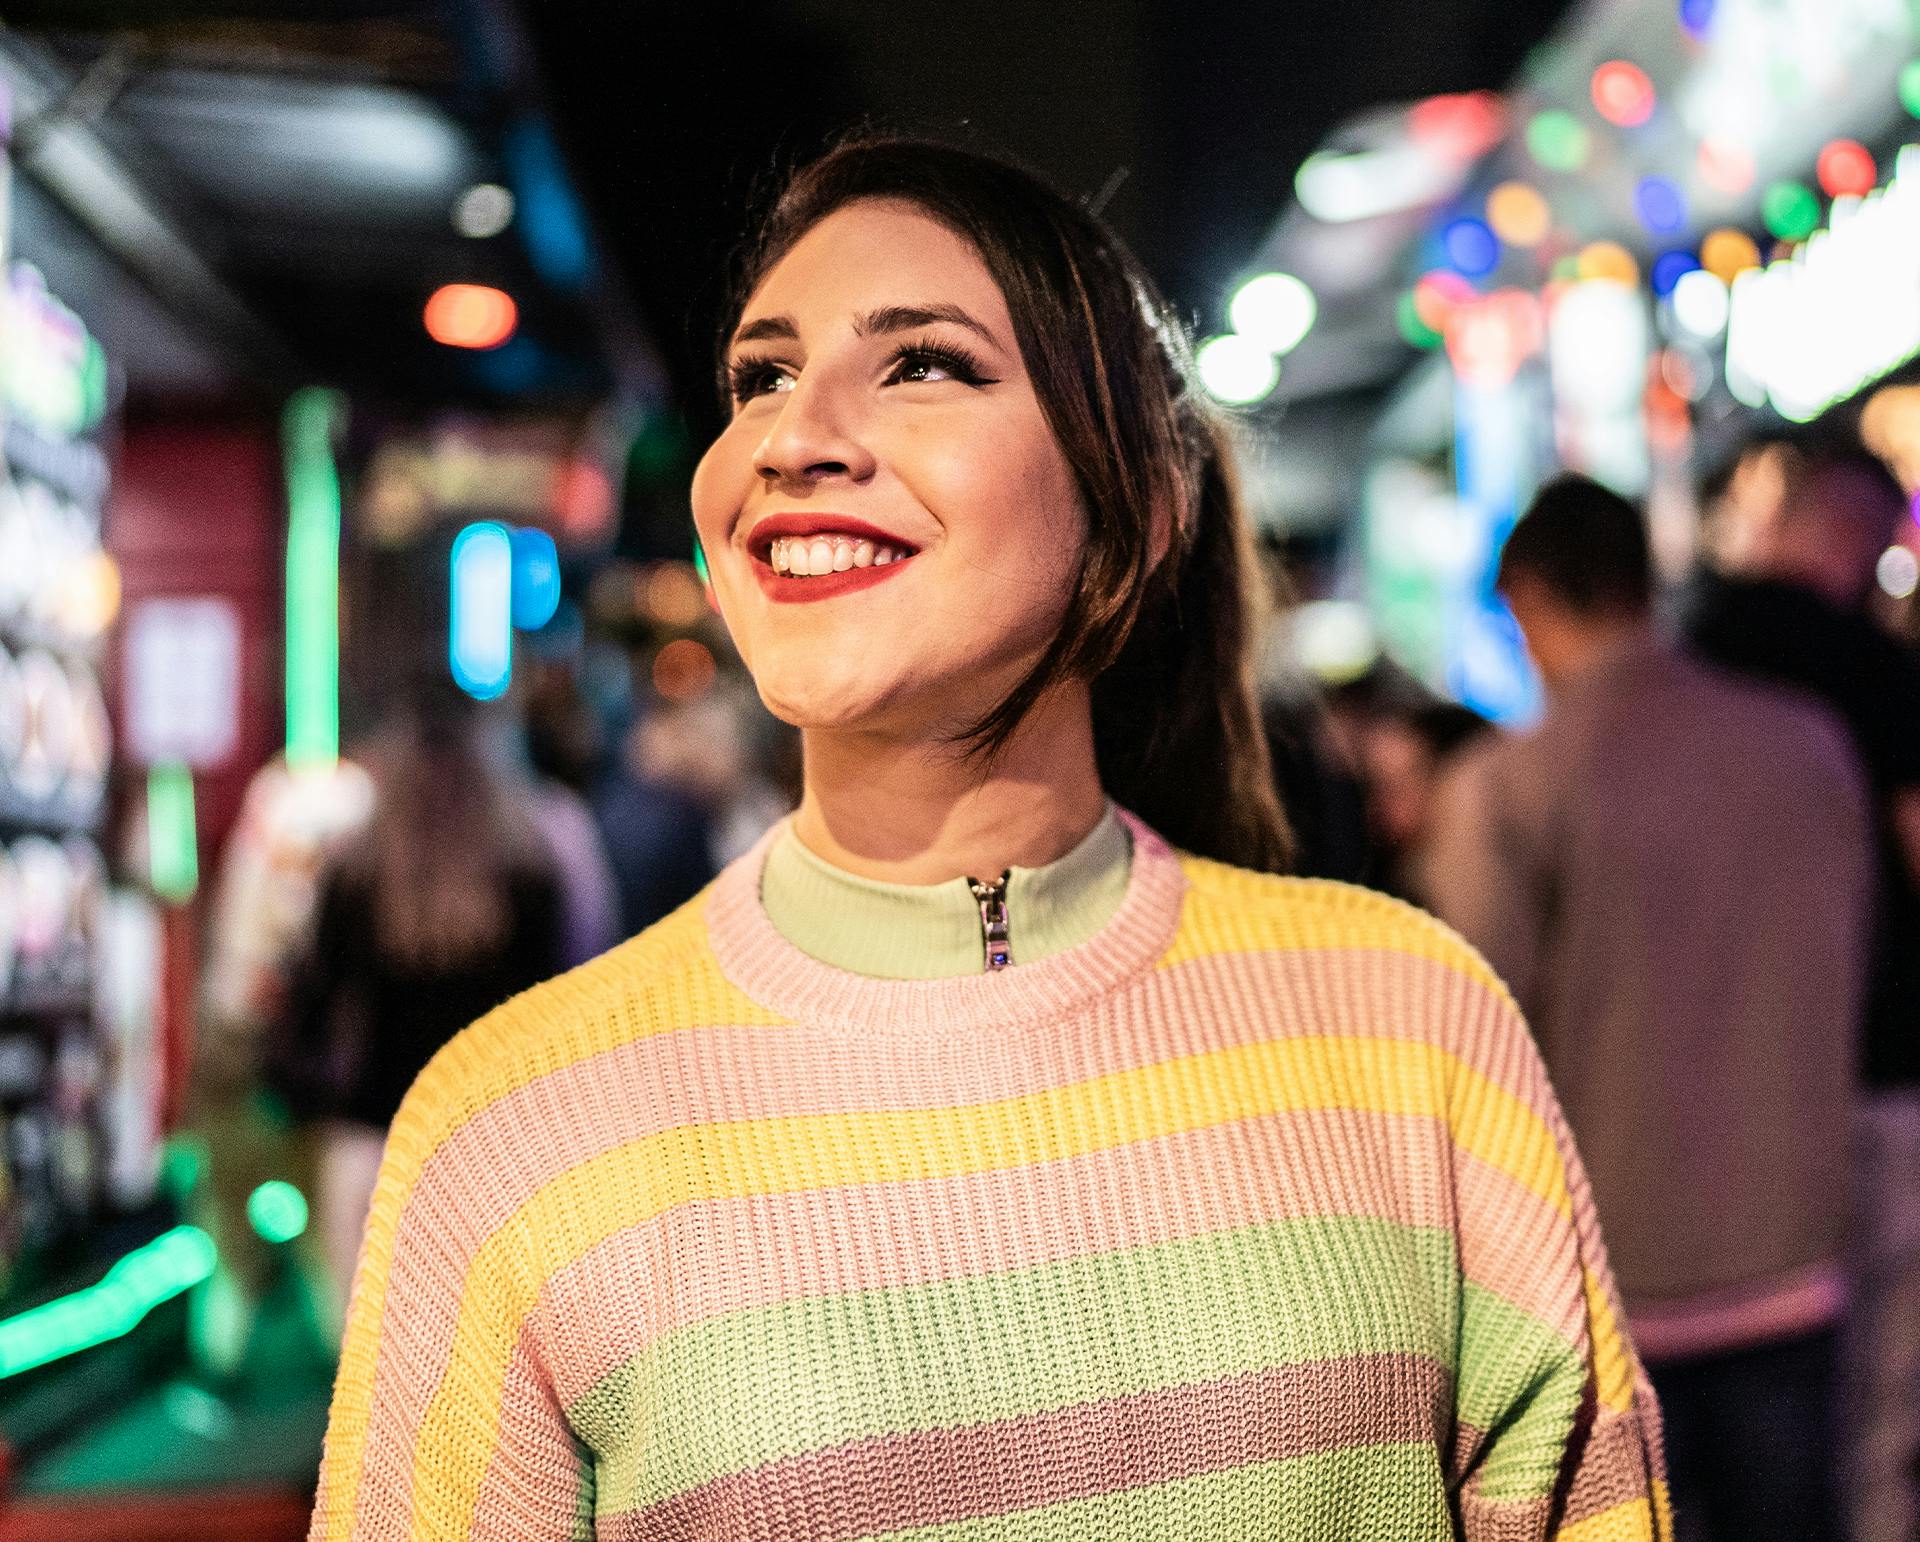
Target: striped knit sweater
1252 1216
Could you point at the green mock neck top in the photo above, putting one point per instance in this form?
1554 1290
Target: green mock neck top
899 931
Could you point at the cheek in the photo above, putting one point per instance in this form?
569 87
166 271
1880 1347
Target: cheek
720 485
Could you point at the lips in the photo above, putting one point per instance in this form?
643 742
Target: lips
791 589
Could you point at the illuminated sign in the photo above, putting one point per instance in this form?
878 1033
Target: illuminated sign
52 372
1812 329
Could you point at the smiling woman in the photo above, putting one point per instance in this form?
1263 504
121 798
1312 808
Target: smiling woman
995 1151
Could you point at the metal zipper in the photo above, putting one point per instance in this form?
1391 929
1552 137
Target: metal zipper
992 898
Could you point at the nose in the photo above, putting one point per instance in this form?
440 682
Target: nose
814 438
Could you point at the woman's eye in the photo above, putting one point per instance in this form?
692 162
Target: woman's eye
748 380
923 366
929 365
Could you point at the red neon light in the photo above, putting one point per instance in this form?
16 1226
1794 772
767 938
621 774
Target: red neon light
471 316
1622 93
1845 168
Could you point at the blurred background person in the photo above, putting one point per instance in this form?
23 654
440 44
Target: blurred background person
1671 872
445 905
1405 752
658 837
1794 533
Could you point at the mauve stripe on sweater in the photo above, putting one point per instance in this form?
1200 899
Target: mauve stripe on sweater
705 1165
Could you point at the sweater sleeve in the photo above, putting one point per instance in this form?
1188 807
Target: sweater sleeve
424 1441
1557 1431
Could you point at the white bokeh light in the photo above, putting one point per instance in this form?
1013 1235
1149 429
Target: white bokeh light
1898 571
484 210
1700 303
1275 310
1236 370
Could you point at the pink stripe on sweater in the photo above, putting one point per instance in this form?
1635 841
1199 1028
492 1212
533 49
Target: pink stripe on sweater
1145 1438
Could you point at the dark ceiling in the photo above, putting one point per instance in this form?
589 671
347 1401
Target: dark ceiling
1191 116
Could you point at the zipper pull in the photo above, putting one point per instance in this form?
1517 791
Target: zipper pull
993 920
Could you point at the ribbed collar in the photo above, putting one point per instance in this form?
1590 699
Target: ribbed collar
754 955
926 931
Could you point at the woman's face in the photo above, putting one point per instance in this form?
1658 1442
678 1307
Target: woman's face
890 527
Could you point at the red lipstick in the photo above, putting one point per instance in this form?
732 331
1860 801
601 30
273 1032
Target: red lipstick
826 586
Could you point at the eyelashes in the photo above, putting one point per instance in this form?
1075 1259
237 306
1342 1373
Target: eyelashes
753 375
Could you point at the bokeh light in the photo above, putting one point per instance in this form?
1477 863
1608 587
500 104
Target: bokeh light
1700 303
1608 260
683 669
483 210
1898 572
1413 327
1462 123
1725 166
1435 296
536 578
1910 87
1846 167
1275 310
1622 93
1791 210
1235 370
1519 214
1669 268
471 316
1471 247
1659 205
1727 253
671 594
1696 16
1558 140
277 1211
480 616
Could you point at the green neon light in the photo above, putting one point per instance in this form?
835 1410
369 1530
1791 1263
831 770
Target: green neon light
1558 140
173 1262
1910 83
277 1210
173 841
1791 210
313 578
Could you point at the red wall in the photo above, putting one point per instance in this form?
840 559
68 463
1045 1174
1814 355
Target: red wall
196 510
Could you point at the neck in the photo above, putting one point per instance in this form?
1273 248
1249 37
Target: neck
920 812
1588 643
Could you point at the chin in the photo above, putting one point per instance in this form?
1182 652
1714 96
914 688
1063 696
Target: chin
805 698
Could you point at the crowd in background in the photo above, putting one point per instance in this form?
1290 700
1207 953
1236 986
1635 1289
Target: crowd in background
1699 874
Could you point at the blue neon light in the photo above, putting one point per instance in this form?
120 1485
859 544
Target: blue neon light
1471 247
536 579
480 627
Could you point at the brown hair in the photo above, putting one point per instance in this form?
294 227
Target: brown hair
447 838
1167 646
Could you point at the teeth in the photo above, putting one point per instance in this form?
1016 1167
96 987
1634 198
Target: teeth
807 556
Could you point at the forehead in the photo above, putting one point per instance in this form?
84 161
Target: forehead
871 254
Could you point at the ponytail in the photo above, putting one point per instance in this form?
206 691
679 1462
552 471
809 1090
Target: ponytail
1176 718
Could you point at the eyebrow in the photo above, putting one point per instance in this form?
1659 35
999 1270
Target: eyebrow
888 318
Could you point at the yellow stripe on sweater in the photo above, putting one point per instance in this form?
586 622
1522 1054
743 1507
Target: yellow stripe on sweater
1630 1521
1231 910
634 1182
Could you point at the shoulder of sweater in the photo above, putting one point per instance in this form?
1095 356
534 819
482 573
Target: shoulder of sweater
662 978
1323 916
